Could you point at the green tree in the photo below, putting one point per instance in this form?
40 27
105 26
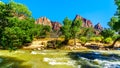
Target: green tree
75 29
12 38
112 23
107 33
45 30
66 29
115 22
87 32
5 14
14 30
19 9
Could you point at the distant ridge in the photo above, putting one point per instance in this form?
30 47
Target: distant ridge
56 25
45 21
86 23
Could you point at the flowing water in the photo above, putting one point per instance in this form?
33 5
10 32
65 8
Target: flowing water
59 59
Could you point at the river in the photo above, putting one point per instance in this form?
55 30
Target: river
60 59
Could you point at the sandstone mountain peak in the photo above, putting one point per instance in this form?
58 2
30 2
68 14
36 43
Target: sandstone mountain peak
78 17
43 21
56 26
98 27
86 23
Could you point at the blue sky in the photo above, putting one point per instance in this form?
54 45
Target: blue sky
56 10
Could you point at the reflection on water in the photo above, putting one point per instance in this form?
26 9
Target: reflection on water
59 59
11 62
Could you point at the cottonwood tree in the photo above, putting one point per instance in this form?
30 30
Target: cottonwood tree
107 33
75 29
15 30
66 29
115 22
71 29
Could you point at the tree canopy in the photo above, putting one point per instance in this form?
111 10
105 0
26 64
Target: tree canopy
115 21
17 26
70 29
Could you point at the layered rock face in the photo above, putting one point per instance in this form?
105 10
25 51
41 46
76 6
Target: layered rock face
98 27
86 23
46 21
56 26
43 21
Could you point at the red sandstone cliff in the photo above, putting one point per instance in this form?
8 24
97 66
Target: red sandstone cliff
46 21
86 23
56 26
43 21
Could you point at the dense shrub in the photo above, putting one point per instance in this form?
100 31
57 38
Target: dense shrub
98 39
16 31
108 40
115 37
92 39
107 33
54 44
83 40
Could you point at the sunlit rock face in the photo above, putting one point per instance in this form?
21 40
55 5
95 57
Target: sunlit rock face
43 21
56 26
98 27
86 23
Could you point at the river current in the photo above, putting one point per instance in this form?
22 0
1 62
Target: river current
60 59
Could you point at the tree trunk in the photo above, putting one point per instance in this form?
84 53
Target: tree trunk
66 41
75 40
112 46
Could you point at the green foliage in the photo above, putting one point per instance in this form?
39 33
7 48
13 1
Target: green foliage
107 33
71 29
87 31
98 39
12 37
92 39
108 40
115 21
66 29
83 40
5 14
42 31
14 32
19 9
75 29
115 36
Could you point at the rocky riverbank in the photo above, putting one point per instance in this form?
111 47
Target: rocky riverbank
51 43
